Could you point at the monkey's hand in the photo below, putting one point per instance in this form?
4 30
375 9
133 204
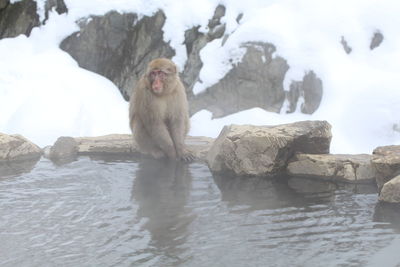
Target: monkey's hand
187 156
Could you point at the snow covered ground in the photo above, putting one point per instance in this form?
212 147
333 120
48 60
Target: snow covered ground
44 94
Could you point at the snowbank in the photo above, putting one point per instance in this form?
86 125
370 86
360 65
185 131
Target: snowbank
44 94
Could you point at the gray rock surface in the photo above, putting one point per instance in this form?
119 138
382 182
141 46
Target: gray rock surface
376 40
256 81
118 46
350 168
16 147
194 42
391 191
21 17
63 148
117 144
345 45
113 144
265 150
386 161
18 18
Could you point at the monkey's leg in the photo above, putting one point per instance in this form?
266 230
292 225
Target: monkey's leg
145 143
178 130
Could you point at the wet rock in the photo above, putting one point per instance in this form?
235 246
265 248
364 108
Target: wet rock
16 147
265 150
376 40
386 161
391 191
118 46
17 18
349 168
63 149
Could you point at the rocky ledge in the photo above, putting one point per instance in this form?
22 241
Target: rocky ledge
299 150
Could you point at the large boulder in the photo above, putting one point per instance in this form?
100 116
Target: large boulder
16 147
391 191
350 168
386 161
265 150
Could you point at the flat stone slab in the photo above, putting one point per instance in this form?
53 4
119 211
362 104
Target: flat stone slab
349 168
391 191
17 147
113 143
118 144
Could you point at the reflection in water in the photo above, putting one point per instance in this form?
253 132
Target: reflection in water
275 192
388 212
13 168
161 190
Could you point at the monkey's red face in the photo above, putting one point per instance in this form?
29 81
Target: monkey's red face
157 80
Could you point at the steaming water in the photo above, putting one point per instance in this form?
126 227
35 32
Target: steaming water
110 212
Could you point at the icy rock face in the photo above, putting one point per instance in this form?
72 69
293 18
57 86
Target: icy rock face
16 147
18 18
119 46
256 81
265 150
22 16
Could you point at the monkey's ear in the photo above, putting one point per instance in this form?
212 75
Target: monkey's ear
172 69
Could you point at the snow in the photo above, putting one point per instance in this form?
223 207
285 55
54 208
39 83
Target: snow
44 94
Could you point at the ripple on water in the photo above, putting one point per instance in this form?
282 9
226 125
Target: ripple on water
116 212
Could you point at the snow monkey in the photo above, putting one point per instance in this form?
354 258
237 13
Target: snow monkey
158 112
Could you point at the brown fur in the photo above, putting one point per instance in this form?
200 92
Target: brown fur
160 120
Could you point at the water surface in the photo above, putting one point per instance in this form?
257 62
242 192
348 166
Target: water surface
116 212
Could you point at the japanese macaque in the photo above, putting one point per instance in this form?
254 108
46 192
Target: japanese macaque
158 112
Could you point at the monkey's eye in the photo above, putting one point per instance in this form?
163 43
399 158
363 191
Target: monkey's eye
158 74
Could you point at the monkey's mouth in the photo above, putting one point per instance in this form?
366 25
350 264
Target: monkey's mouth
157 90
